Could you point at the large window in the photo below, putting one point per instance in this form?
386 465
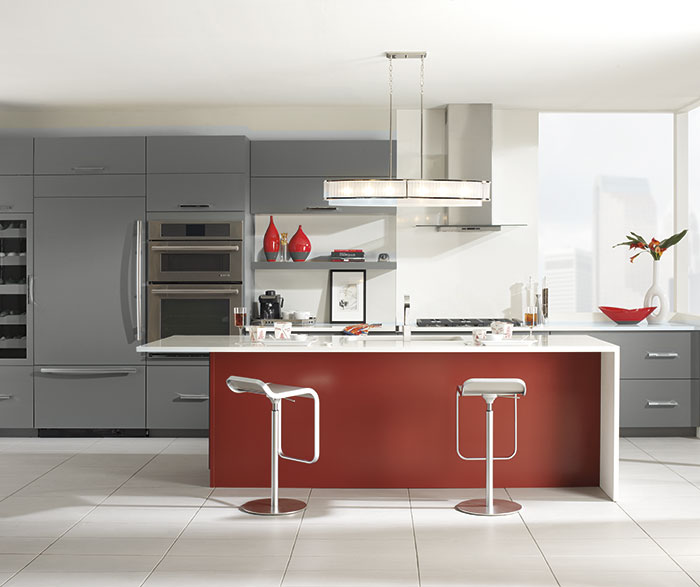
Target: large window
694 211
601 176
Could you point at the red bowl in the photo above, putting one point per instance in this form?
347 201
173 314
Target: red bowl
625 316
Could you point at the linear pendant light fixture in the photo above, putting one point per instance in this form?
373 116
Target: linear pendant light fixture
391 191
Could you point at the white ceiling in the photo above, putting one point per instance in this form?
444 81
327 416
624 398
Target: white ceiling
549 55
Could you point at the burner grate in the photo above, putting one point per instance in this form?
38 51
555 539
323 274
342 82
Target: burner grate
462 322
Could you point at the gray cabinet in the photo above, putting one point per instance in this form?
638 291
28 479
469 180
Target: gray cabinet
202 154
178 397
16 397
16 193
668 403
85 292
190 192
89 186
288 195
101 396
16 156
89 155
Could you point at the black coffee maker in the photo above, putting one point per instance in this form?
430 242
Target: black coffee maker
271 305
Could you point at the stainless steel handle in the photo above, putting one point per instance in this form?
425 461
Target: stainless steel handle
6 206
197 248
5 396
160 292
139 273
192 397
194 205
656 355
323 208
85 168
62 371
30 289
661 404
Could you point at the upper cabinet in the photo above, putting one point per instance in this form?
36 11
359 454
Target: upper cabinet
16 156
193 154
287 176
89 155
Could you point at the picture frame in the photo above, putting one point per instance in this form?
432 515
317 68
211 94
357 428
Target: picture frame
348 296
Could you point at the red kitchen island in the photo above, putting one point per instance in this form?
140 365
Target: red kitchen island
388 413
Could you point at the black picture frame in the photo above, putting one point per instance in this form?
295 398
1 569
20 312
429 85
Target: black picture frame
348 296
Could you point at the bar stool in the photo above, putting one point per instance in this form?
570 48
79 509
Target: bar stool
490 389
274 506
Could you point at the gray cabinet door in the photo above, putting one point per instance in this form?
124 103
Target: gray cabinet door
319 158
208 154
16 397
16 156
89 186
178 397
665 403
192 192
16 194
85 285
89 155
98 397
287 195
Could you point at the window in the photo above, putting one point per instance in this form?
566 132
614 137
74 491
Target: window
694 211
602 176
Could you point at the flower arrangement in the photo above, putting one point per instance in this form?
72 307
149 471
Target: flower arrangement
653 247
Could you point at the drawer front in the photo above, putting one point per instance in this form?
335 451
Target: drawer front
94 397
659 403
90 186
90 155
16 156
210 154
196 192
653 355
16 194
319 158
178 397
280 195
16 397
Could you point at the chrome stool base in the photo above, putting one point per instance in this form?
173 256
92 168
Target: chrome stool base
478 507
263 507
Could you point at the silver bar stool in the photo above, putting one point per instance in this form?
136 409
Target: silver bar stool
490 390
274 506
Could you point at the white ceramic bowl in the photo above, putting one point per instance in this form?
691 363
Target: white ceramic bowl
493 336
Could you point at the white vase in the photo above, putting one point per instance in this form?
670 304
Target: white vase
656 296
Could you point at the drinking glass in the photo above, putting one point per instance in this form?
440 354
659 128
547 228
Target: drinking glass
240 316
531 318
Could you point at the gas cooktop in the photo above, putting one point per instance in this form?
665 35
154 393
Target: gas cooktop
463 322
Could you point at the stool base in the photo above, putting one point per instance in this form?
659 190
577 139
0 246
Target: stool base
477 507
263 507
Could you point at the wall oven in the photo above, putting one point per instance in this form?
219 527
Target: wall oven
195 272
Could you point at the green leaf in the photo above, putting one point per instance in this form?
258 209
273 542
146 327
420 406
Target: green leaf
672 240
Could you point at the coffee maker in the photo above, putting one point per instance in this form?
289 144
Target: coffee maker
270 305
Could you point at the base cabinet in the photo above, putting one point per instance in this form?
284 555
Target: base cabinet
16 397
90 397
665 403
178 397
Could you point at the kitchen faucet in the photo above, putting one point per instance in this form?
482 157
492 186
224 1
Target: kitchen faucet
406 327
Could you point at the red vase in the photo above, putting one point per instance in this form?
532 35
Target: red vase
299 246
271 242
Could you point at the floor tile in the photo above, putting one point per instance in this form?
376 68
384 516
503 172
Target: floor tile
233 563
689 563
82 579
368 546
679 546
351 578
23 545
501 577
71 563
634 563
590 578
11 563
602 546
111 546
210 579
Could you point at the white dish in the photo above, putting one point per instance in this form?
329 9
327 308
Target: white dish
492 336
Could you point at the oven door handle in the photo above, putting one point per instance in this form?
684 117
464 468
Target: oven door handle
196 248
160 292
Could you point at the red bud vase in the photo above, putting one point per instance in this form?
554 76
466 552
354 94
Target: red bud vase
271 242
299 246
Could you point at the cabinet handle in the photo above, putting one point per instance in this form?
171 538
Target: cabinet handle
87 168
200 248
161 292
6 206
6 396
139 273
194 205
322 208
30 288
657 355
61 371
192 397
661 404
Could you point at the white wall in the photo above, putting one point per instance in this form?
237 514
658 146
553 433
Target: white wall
471 274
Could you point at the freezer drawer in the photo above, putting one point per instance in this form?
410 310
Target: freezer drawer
659 403
89 155
104 396
16 397
178 397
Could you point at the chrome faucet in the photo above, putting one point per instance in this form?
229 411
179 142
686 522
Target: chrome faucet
406 327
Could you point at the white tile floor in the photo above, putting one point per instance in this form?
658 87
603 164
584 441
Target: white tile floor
138 512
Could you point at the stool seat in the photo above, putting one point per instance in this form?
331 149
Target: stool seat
276 392
499 387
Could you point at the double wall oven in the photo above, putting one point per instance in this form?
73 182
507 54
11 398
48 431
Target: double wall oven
195 277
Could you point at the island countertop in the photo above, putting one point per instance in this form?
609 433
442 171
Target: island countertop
379 343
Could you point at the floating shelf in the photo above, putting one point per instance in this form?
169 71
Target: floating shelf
324 265
468 227
13 288
14 319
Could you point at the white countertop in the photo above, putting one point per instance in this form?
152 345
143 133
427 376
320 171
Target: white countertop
582 327
431 343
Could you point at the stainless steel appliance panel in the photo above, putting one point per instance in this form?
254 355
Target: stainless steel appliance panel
203 261
194 230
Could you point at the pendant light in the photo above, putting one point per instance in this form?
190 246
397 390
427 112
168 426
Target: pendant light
391 191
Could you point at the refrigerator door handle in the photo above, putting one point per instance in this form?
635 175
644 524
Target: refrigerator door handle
139 286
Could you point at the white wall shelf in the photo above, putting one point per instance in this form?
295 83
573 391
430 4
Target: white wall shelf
324 265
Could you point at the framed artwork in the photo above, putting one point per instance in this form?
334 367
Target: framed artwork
348 296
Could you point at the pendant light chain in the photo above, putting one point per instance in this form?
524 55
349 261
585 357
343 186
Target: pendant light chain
422 83
391 109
